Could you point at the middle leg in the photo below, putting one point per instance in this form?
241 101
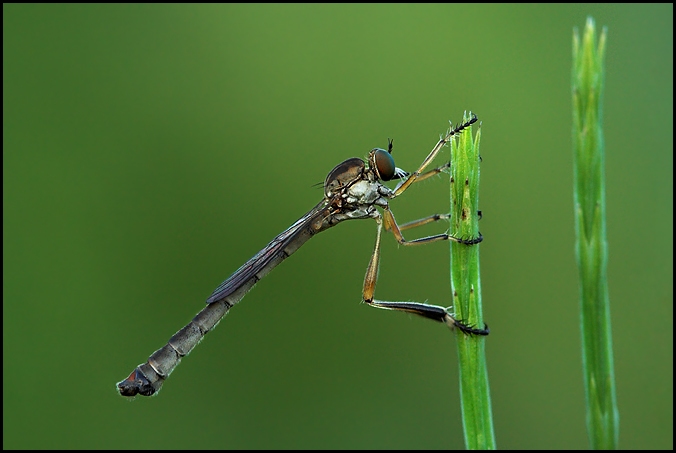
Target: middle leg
391 225
433 312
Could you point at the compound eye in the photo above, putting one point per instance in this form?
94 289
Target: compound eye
384 164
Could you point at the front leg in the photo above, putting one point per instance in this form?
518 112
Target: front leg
420 172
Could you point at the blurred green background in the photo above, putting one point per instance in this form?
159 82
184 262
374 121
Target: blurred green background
148 151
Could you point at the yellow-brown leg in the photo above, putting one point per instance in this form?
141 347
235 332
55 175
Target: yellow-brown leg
391 225
434 312
419 173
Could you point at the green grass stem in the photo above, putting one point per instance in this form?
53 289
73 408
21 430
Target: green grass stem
591 243
466 287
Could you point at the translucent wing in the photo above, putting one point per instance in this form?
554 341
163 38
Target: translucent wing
271 255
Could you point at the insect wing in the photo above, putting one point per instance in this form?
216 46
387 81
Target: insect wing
261 259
